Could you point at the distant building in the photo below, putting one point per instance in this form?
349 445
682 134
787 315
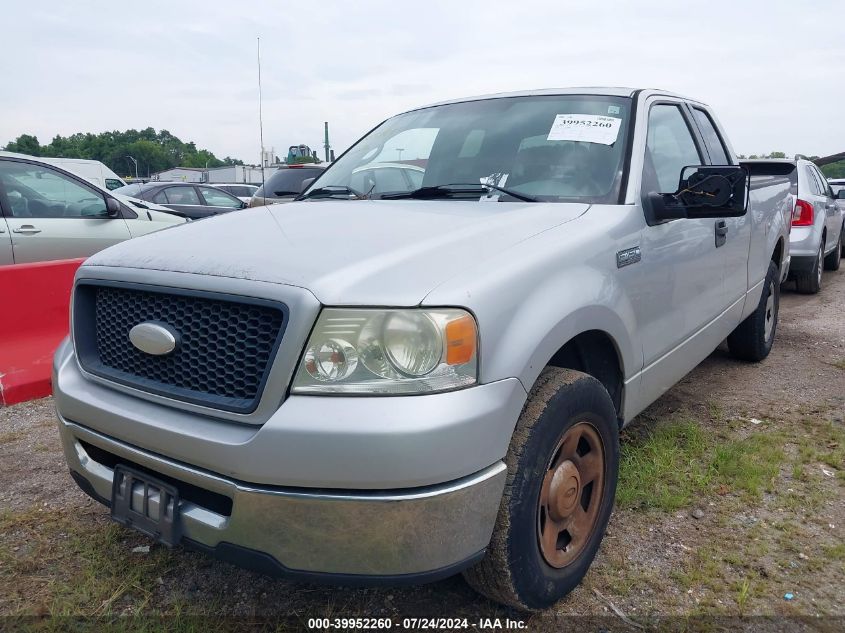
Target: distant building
181 174
228 174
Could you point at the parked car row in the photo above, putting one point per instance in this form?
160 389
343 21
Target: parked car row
190 200
49 213
817 238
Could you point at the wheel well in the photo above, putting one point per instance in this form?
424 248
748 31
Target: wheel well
594 353
777 254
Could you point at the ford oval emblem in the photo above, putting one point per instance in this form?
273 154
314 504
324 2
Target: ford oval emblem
153 337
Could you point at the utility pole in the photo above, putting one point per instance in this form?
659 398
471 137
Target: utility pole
136 166
326 145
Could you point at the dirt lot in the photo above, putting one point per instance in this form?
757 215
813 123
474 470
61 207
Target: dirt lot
730 504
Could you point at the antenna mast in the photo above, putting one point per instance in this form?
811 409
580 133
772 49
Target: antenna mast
260 112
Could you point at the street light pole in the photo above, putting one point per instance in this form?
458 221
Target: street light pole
136 165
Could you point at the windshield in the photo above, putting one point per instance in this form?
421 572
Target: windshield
129 190
551 148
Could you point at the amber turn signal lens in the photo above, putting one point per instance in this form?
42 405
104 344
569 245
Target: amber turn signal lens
461 340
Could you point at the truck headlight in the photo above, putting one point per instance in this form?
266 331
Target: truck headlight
389 351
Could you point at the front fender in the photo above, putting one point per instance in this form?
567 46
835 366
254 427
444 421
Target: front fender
552 314
540 293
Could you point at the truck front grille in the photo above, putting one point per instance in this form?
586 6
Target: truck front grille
226 344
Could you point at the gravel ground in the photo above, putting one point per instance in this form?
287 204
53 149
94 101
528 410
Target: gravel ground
725 554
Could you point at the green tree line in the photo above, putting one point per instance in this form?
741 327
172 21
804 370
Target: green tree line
832 170
154 151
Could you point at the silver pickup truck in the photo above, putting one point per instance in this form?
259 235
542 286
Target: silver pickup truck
422 369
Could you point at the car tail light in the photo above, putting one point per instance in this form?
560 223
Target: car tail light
802 215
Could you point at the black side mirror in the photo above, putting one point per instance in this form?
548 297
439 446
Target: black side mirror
305 184
704 191
112 208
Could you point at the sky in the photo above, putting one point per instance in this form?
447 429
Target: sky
773 71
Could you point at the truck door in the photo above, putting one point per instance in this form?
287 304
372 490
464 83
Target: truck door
682 267
733 245
51 215
5 243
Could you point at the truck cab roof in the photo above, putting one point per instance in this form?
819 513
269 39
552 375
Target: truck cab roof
585 90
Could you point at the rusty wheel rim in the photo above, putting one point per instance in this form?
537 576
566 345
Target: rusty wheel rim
571 495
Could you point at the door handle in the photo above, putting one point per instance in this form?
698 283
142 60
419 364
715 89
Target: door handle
721 232
27 229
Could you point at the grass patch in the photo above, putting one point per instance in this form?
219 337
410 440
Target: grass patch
839 364
834 552
701 570
750 464
99 575
665 469
679 461
8 437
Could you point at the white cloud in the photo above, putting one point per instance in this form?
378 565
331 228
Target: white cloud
189 67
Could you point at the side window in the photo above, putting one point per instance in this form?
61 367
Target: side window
113 183
416 177
181 195
669 148
823 183
715 147
217 198
35 191
160 197
812 180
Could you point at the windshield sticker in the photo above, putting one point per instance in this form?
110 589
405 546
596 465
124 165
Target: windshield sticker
586 128
613 109
497 180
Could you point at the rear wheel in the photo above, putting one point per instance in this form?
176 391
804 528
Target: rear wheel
752 340
842 239
810 282
562 468
833 259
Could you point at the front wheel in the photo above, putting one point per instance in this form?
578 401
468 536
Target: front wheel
563 463
752 339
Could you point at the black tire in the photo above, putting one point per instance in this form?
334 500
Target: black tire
842 239
752 339
515 571
833 259
810 282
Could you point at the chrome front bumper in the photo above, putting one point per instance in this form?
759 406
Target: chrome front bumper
401 533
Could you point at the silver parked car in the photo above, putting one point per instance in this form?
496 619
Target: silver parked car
817 235
242 191
817 223
48 213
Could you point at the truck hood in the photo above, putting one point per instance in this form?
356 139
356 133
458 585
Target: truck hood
368 252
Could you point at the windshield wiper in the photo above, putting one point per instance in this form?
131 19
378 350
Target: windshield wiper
455 188
333 190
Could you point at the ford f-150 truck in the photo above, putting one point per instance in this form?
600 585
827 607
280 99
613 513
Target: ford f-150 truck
399 377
